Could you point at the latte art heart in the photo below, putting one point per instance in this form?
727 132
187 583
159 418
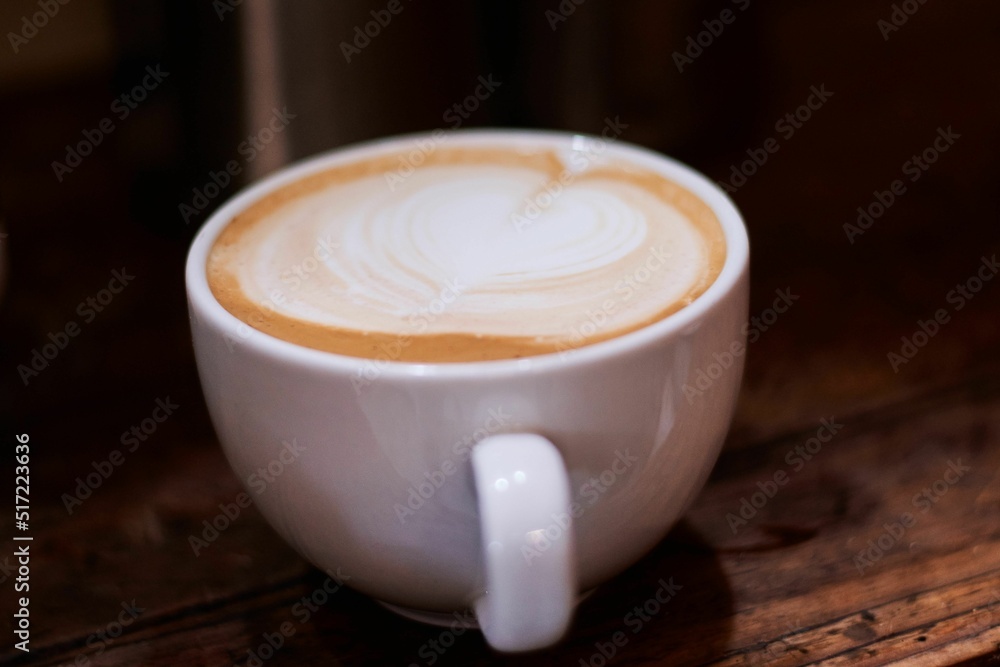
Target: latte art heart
481 252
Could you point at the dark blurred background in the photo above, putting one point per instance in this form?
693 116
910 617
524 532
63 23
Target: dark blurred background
709 82
225 65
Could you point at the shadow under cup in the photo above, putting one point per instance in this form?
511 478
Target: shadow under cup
386 486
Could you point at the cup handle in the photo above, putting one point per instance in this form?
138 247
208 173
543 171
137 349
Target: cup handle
529 549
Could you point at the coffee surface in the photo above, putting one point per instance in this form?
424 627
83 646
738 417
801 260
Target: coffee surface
467 251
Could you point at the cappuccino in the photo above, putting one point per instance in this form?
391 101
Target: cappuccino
476 247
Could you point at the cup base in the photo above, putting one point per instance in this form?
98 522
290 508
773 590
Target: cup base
465 618
456 619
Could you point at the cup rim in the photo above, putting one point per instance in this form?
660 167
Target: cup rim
201 298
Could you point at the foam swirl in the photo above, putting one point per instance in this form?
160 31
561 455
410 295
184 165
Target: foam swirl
477 248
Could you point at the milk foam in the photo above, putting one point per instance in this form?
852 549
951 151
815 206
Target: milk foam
505 250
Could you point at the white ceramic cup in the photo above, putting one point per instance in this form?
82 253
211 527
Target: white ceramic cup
508 487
